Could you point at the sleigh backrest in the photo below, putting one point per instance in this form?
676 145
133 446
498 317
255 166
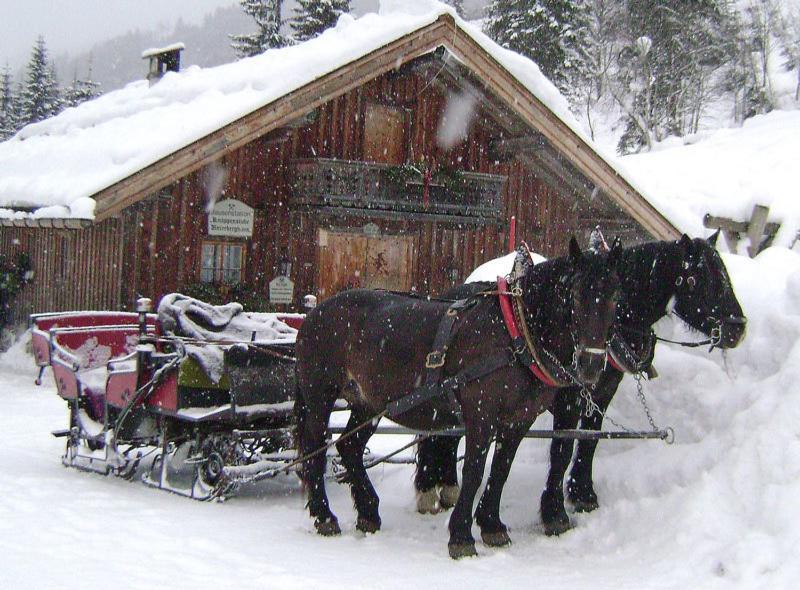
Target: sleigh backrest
85 330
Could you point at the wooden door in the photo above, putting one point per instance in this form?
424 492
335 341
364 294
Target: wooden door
350 260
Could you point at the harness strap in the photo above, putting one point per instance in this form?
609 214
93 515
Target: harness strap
434 365
523 347
624 359
450 385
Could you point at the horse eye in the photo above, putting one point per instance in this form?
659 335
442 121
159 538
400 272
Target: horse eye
691 281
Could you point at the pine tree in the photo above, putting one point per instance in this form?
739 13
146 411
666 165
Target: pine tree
81 90
544 30
670 83
314 16
267 14
8 118
40 97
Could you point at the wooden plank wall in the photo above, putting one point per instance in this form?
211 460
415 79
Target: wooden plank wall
73 269
154 246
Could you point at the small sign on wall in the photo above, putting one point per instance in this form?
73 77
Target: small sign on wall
231 218
281 290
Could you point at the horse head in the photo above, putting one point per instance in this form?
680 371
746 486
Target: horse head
593 294
703 294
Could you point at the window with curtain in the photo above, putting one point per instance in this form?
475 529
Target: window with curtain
222 262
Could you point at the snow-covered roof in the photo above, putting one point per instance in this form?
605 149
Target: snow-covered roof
726 173
60 163
159 50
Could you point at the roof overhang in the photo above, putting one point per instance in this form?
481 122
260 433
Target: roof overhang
47 222
568 147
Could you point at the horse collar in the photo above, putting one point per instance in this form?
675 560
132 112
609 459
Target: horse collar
522 345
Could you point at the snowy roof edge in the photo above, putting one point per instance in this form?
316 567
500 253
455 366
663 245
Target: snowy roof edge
542 107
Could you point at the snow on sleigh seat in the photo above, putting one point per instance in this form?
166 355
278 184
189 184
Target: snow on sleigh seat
82 325
80 358
238 364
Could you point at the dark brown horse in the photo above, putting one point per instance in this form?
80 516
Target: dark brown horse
371 347
686 277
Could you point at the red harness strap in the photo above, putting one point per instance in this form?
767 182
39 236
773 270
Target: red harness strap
614 363
516 337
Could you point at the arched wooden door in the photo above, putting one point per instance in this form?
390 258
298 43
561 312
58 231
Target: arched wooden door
354 260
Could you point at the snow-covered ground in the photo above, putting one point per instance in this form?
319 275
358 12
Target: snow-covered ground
718 509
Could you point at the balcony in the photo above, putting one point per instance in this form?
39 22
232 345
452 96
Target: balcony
366 185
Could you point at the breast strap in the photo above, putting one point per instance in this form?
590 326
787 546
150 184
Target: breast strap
523 347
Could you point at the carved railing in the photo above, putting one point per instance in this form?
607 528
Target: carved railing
369 185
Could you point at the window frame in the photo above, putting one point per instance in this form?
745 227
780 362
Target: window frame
218 270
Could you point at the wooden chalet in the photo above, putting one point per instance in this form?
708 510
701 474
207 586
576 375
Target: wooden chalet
344 182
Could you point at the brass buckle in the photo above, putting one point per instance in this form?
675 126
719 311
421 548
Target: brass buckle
435 359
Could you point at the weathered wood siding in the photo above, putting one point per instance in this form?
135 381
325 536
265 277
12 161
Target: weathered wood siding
73 269
153 247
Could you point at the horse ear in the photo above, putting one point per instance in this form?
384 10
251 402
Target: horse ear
574 249
616 251
712 239
686 243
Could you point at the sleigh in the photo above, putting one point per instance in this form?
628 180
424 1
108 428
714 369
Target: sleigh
139 394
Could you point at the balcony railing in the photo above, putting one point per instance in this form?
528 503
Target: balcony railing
368 185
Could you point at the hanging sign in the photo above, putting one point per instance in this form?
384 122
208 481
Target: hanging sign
231 218
281 290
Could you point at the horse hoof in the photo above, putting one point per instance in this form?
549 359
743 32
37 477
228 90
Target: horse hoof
585 505
328 528
428 502
553 529
496 539
448 496
368 526
459 550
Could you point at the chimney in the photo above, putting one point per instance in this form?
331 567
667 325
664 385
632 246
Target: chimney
163 60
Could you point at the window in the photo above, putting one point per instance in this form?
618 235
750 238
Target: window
385 134
222 263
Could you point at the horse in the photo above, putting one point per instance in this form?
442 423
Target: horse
374 348
686 277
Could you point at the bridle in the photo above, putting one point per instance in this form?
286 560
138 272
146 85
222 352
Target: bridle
523 336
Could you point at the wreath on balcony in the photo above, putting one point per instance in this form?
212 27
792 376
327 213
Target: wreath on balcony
452 179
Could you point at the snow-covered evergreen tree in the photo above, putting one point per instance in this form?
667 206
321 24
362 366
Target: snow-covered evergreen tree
314 16
669 84
267 14
457 4
8 114
40 97
80 91
544 30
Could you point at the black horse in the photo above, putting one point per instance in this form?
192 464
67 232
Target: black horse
372 347
686 277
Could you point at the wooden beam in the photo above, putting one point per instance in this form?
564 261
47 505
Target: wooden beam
727 224
759 231
508 147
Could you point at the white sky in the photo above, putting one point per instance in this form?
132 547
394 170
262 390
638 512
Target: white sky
70 26
74 25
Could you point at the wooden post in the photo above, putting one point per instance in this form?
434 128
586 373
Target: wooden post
755 229
512 234
759 231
